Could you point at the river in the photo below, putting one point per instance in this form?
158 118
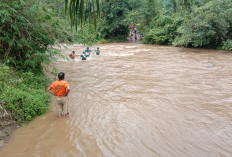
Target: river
137 100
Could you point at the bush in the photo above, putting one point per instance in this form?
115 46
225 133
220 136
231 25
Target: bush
164 30
103 41
158 36
113 26
28 28
23 94
207 26
25 104
87 35
227 45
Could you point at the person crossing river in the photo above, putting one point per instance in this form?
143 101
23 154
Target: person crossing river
98 51
72 55
88 51
84 56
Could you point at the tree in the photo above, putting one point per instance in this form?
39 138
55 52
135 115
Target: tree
207 26
81 10
28 28
113 24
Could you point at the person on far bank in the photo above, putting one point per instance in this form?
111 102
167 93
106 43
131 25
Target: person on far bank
60 89
141 36
135 31
88 51
98 51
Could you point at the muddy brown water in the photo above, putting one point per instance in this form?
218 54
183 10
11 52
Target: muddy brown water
137 100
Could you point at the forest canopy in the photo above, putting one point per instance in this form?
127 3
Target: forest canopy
188 23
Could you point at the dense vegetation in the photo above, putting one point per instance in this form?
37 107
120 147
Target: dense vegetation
23 93
28 31
28 28
113 25
189 23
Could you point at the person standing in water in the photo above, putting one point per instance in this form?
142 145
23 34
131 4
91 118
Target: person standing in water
84 56
72 55
88 51
60 89
98 51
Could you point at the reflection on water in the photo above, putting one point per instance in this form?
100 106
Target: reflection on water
137 101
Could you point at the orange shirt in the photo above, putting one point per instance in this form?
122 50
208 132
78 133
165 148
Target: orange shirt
59 87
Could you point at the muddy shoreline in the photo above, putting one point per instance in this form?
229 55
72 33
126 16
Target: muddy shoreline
7 126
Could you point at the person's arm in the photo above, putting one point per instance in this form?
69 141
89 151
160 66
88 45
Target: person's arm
67 91
51 91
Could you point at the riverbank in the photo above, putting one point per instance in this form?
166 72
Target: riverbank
22 98
7 125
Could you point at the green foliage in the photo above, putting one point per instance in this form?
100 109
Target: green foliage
164 30
113 25
5 75
227 45
87 35
143 14
208 26
27 30
189 23
82 10
23 94
103 41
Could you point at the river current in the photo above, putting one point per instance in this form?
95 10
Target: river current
136 100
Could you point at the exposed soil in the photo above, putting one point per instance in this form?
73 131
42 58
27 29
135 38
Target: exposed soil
7 125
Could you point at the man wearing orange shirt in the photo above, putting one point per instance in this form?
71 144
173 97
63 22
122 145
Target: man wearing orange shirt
60 89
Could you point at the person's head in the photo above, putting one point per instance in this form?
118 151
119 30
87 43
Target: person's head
61 75
87 48
73 52
98 48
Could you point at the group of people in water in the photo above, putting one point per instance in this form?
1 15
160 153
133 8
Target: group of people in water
84 55
134 33
60 88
